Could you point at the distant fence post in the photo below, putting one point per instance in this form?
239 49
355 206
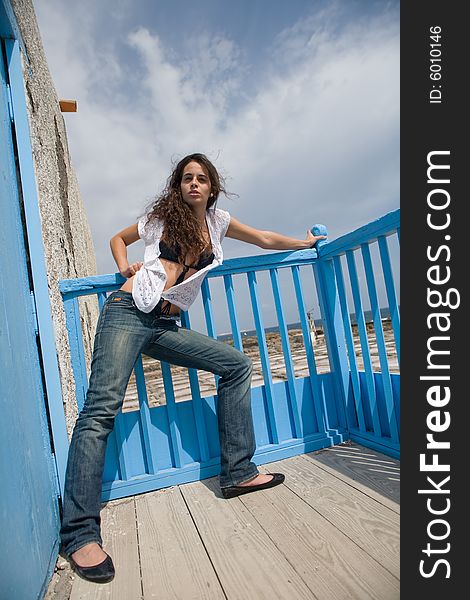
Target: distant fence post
330 309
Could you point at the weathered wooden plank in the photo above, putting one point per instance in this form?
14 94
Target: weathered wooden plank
372 526
248 563
120 540
328 560
369 471
305 539
173 559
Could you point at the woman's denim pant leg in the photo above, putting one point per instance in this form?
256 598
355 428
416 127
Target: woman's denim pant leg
188 348
123 332
120 337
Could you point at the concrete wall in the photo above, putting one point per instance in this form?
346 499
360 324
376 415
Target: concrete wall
66 233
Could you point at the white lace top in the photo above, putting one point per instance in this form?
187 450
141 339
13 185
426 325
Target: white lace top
149 281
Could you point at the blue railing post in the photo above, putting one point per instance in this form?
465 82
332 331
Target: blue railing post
330 309
77 354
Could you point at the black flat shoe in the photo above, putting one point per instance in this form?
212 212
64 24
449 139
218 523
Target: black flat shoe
238 490
101 573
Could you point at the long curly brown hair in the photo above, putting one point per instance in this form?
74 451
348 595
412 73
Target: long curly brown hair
181 228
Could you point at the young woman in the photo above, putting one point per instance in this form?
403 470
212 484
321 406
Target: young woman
182 233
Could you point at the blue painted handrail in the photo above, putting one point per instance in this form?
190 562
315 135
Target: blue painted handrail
386 225
177 441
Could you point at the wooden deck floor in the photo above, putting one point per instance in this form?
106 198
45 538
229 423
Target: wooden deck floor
331 531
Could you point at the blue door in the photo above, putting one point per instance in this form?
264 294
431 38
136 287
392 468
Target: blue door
29 514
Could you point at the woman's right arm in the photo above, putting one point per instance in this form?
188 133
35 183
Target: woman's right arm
119 243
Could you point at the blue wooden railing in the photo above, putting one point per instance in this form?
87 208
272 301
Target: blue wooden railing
177 442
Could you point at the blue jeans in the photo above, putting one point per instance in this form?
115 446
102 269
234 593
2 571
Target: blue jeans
123 332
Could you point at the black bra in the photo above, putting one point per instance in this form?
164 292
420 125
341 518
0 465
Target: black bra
169 253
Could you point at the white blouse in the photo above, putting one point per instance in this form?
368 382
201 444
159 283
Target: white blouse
149 281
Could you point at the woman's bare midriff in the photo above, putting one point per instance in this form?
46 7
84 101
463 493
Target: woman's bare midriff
172 270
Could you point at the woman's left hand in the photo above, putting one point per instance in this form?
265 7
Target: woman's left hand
313 239
131 270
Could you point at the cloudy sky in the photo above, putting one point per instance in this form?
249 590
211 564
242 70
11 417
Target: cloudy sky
295 101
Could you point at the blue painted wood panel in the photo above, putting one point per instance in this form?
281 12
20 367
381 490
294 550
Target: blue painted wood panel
29 504
384 442
189 465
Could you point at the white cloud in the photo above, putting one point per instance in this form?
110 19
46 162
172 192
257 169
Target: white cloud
313 137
